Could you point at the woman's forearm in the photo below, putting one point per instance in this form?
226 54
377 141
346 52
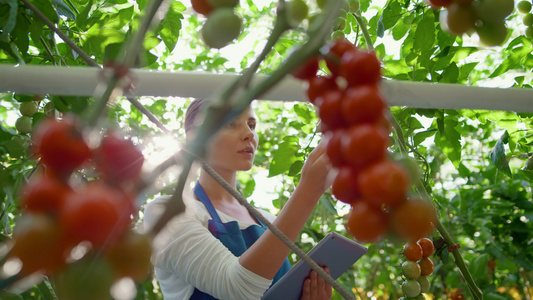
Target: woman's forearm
267 254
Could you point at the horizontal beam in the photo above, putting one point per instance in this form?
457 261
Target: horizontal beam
83 81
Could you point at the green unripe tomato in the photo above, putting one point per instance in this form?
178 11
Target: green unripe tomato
338 34
411 288
458 19
297 11
528 19
494 11
529 32
425 285
524 6
223 3
354 6
28 108
411 269
221 27
492 34
23 124
89 278
339 24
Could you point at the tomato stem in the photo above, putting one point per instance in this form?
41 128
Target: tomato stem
175 205
364 29
459 261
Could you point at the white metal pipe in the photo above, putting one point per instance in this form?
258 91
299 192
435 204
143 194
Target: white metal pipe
83 81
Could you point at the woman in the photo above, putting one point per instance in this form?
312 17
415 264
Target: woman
216 249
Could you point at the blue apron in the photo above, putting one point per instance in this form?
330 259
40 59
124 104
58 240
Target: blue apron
235 239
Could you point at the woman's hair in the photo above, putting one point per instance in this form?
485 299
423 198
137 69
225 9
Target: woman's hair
192 113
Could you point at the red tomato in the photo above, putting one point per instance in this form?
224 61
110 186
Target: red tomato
362 104
335 52
60 144
96 213
319 85
384 183
329 109
427 246
118 159
44 194
440 3
39 244
413 219
426 266
364 144
333 149
130 256
307 70
360 68
413 251
202 7
344 187
366 223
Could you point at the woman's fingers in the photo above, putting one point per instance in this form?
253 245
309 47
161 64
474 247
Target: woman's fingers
306 291
316 288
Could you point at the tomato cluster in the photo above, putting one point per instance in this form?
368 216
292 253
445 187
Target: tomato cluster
352 108
352 6
485 17
417 267
27 109
524 7
223 25
61 218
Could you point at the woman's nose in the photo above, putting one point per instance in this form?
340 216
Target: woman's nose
248 134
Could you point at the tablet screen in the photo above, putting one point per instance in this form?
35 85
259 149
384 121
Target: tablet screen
335 251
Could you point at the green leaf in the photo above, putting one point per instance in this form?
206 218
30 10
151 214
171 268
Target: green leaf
478 267
249 188
421 136
171 26
284 156
498 157
296 167
402 27
11 19
450 74
449 139
81 20
425 33
63 9
14 147
304 113
47 290
391 14
45 6
493 296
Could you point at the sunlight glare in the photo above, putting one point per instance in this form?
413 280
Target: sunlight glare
124 289
12 266
159 149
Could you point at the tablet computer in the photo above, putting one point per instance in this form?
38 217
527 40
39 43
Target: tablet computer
335 251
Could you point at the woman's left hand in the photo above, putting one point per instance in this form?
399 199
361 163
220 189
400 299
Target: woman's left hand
316 169
316 288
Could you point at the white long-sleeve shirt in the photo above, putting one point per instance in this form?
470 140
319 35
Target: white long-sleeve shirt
186 255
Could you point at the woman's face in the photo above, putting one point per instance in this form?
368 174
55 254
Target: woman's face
233 146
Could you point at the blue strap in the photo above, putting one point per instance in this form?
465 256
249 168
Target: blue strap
202 196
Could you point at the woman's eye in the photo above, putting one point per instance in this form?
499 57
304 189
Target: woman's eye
251 125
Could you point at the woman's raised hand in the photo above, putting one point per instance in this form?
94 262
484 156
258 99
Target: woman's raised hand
316 170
